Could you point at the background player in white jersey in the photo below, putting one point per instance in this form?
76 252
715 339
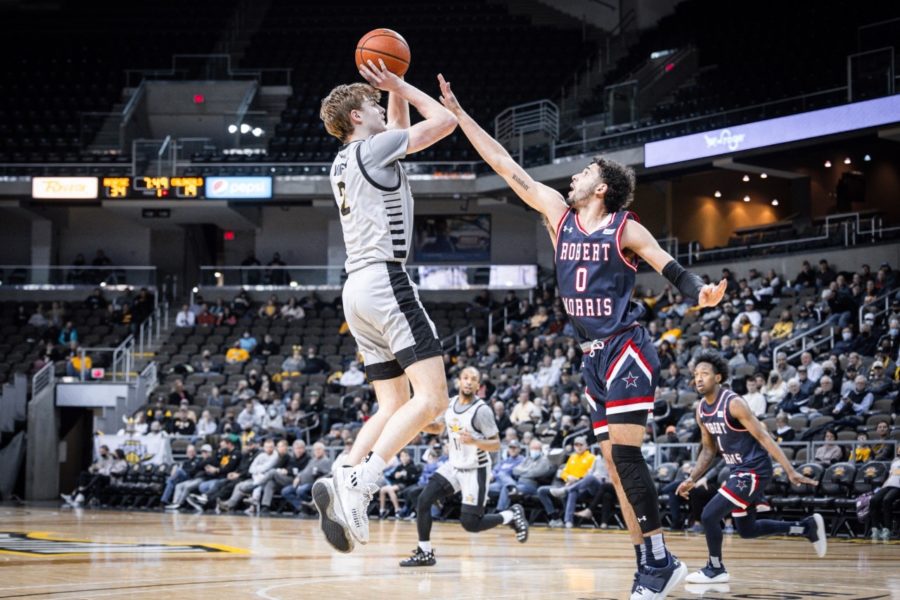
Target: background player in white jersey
473 435
395 336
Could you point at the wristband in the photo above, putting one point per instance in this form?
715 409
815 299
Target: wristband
687 283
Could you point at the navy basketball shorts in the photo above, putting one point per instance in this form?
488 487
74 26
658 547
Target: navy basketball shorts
620 375
746 490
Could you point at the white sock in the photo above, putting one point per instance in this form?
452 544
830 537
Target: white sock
659 546
372 468
797 530
425 546
507 516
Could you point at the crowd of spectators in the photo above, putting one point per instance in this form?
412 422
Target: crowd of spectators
843 390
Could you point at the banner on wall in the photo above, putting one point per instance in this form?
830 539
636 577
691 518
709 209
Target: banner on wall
151 448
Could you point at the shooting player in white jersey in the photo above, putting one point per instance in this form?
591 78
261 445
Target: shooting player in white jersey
473 435
395 336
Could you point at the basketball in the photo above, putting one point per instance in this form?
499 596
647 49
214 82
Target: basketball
387 45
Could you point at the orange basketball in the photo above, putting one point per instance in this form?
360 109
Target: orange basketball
387 45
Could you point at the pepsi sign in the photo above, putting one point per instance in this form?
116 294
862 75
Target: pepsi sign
238 188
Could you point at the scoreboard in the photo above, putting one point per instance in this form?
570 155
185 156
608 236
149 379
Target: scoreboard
152 187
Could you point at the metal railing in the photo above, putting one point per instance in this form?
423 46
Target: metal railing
208 67
31 277
872 307
427 277
696 254
151 329
147 381
514 123
45 377
807 341
122 364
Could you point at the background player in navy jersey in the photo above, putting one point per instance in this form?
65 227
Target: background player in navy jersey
597 243
730 428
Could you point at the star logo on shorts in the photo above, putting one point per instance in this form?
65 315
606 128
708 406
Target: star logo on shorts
630 380
741 484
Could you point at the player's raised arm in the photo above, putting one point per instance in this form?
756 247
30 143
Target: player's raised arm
742 413
636 238
538 196
439 122
397 112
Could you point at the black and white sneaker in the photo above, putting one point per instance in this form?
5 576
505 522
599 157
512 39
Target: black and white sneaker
519 523
655 583
815 532
419 558
336 531
709 574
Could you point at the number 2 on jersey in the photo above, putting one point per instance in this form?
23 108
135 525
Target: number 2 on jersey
342 189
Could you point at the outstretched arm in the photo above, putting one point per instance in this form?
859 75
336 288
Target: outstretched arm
438 123
636 238
538 196
397 112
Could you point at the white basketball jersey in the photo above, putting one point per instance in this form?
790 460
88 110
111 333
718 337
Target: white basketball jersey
375 202
459 417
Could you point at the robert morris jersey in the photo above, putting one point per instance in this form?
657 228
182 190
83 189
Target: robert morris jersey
477 419
374 199
595 279
739 448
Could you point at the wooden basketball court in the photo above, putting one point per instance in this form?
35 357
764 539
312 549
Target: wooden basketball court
51 553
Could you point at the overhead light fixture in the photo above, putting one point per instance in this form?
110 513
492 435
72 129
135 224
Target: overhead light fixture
217 275
847 161
746 198
718 194
867 157
763 176
746 178
774 201
195 289
244 128
257 132
827 164
232 128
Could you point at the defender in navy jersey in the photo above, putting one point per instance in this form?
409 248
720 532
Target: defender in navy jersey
597 244
731 429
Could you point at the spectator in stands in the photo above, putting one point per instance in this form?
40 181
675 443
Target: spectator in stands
206 425
547 375
215 397
179 393
251 417
236 354
825 397
186 470
752 315
881 506
68 335
206 365
500 416
400 476
215 466
784 327
846 343
502 472
595 482
825 275
794 401
572 407
352 377
267 348
783 431
882 449
240 304
295 362
829 453
525 478
754 398
181 424
259 468
247 341
807 383
433 459
525 410
185 318
37 318
292 311
577 466
785 371
298 491
270 309
76 366
206 318
851 408
862 451
272 422
867 340
313 364
879 383
841 306
226 317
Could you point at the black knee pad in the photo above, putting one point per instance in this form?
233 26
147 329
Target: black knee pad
437 488
638 485
470 521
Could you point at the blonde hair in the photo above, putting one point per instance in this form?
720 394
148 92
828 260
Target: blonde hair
336 107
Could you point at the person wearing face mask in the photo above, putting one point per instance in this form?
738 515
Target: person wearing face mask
845 344
889 343
527 476
272 422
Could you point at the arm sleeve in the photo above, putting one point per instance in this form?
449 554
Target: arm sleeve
382 149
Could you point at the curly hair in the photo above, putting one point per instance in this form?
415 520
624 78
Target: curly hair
336 107
718 363
619 180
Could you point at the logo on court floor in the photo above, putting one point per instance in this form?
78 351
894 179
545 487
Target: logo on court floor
42 543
